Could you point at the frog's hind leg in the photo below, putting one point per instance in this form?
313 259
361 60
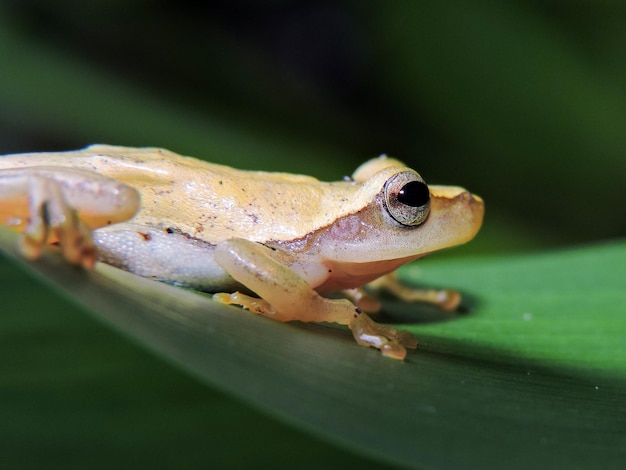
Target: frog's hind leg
61 206
285 296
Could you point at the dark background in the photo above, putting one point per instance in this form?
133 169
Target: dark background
524 103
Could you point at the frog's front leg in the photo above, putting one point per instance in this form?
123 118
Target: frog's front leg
446 299
286 296
62 206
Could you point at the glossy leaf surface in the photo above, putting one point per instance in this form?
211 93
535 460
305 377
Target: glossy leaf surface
532 374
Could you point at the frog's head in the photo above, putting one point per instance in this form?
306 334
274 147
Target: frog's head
399 218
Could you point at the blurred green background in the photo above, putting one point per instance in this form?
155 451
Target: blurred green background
523 103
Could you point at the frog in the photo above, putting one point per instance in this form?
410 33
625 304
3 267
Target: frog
274 243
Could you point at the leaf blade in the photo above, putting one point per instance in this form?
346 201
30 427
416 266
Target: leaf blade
440 409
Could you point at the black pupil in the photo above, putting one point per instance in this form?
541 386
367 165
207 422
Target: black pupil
414 194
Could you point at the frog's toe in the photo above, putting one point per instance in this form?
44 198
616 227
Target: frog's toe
54 223
76 242
393 350
391 341
250 303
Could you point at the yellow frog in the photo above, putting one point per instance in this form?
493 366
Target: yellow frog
286 238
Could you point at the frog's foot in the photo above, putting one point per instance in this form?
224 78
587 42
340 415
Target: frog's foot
446 299
71 237
61 207
248 302
51 221
391 341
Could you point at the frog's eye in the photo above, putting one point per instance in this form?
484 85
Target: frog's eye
407 198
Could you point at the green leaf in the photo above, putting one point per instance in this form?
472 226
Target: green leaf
566 309
533 374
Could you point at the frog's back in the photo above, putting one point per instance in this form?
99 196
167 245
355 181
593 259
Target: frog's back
214 202
204 200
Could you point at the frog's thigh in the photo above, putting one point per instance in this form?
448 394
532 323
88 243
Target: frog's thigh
289 295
